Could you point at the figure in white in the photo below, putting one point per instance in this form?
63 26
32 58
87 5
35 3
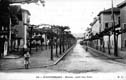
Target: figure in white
26 59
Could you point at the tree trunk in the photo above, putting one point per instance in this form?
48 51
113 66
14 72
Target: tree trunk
56 49
103 46
60 47
109 45
51 57
115 46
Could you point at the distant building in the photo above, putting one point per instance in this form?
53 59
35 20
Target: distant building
95 26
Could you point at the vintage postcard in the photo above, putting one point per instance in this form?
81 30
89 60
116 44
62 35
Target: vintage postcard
62 39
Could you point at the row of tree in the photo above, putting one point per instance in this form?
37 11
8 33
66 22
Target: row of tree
57 36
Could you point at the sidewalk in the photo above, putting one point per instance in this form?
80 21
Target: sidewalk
121 58
121 53
39 59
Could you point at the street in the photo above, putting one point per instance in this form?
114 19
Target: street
77 64
62 39
80 61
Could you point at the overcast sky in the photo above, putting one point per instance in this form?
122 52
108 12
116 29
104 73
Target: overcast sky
77 14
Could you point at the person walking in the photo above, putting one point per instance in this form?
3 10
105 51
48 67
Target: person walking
26 59
86 47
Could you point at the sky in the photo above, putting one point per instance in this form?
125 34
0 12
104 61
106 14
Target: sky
77 14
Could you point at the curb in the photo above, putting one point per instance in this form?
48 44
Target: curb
109 56
117 59
12 58
64 54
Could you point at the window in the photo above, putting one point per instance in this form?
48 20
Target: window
99 19
125 26
119 20
125 43
106 25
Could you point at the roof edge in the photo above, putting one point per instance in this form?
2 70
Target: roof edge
116 10
26 11
121 4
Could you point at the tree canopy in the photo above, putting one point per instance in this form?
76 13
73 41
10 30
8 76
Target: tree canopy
25 1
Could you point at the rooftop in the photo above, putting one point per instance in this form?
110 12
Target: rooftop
94 21
17 8
116 10
122 4
24 10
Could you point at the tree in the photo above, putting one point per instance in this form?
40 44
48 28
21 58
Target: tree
62 36
4 23
25 1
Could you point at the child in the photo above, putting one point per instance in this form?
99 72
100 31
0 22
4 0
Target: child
26 59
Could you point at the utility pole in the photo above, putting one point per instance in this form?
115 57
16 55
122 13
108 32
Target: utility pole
115 38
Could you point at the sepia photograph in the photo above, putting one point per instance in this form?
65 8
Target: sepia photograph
62 39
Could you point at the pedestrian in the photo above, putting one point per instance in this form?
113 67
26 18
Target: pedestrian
26 59
86 48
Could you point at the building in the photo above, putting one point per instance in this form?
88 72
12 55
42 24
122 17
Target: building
122 7
106 21
95 26
20 38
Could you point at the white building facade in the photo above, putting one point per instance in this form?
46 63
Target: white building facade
106 22
122 7
95 26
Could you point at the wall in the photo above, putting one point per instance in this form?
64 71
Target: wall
22 29
122 22
96 27
19 28
112 41
106 18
